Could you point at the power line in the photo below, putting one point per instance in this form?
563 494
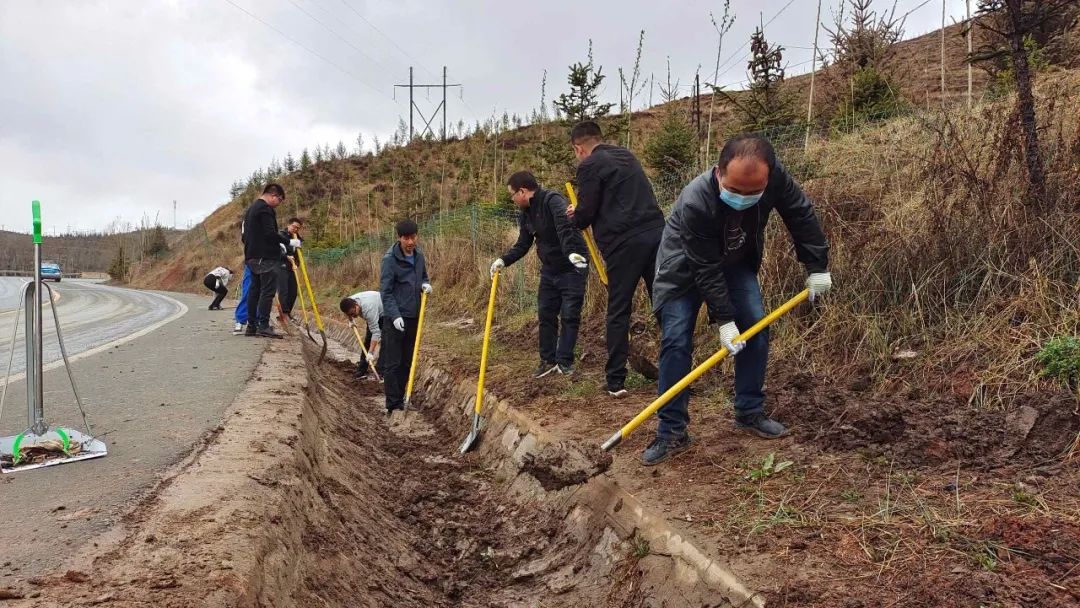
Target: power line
727 62
347 42
391 40
302 46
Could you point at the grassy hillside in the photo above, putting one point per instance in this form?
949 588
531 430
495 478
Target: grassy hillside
90 252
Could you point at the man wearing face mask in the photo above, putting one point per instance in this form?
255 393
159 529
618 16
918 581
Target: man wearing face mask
710 252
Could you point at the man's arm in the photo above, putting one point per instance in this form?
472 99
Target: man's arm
795 208
570 238
589 189
702 240
387 278
524 242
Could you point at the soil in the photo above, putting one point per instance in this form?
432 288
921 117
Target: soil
913 499
308 496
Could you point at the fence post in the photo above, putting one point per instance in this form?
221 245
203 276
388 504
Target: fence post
474 231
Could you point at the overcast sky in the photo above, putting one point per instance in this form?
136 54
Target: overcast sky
114 108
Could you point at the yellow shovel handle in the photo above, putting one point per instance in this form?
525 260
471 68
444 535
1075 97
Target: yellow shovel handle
594 252
484 348
300 294
416 346
681 385
311 294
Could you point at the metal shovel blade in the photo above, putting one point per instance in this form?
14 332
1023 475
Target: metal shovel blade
35 450
474 435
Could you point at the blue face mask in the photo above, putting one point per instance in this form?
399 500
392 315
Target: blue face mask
739 202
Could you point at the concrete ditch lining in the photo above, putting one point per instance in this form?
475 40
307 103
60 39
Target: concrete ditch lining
510 438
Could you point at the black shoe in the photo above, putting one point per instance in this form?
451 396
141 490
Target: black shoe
565 369
761 425
251 331
545 369
663 448
268 332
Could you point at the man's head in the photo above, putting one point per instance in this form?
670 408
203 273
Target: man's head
350 307
744 165
273 194
294 225
406 235
522 185
585 136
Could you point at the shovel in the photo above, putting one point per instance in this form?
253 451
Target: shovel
303 307
415 351
698 371
474 434
363 349
314 306
594 251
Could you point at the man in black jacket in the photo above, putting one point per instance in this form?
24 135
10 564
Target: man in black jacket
563 269
402 278
263 247
287 271
616 199
711 253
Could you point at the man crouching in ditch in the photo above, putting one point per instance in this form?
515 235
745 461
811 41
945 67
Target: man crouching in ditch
403 277
711 251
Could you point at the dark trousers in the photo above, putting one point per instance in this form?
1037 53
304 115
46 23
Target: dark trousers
211 283
677 320
363 366
396 358
560 297
287 289
634 260
264 281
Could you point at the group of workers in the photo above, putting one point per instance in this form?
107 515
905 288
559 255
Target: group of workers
708 251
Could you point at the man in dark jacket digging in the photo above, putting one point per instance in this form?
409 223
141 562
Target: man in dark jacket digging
711 252
563 269
287 273
263 248
616 199
402 278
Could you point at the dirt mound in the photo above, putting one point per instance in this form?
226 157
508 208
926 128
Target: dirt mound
915 431
566 463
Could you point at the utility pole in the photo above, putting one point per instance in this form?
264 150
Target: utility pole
413 108
174 215
943 53
813 72
969 28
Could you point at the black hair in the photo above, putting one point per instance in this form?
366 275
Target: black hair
347 304
584 131
296 220
523 179
406 228
274 189
747 145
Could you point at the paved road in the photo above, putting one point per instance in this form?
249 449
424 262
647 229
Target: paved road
151 397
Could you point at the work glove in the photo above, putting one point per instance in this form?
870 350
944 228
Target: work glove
496 266
426 288
399 324
818 283
283 250
578 261
295 243
728 332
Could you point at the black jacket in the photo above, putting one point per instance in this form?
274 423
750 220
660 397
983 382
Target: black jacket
289 249
399 283
545 222
615 198
260 233
693 250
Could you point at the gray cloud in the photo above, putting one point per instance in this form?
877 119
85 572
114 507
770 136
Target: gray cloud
114 108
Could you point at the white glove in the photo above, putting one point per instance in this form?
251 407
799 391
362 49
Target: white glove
818 283
578 261
295 243
283 250
399 324
728 332
496 266
426 288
